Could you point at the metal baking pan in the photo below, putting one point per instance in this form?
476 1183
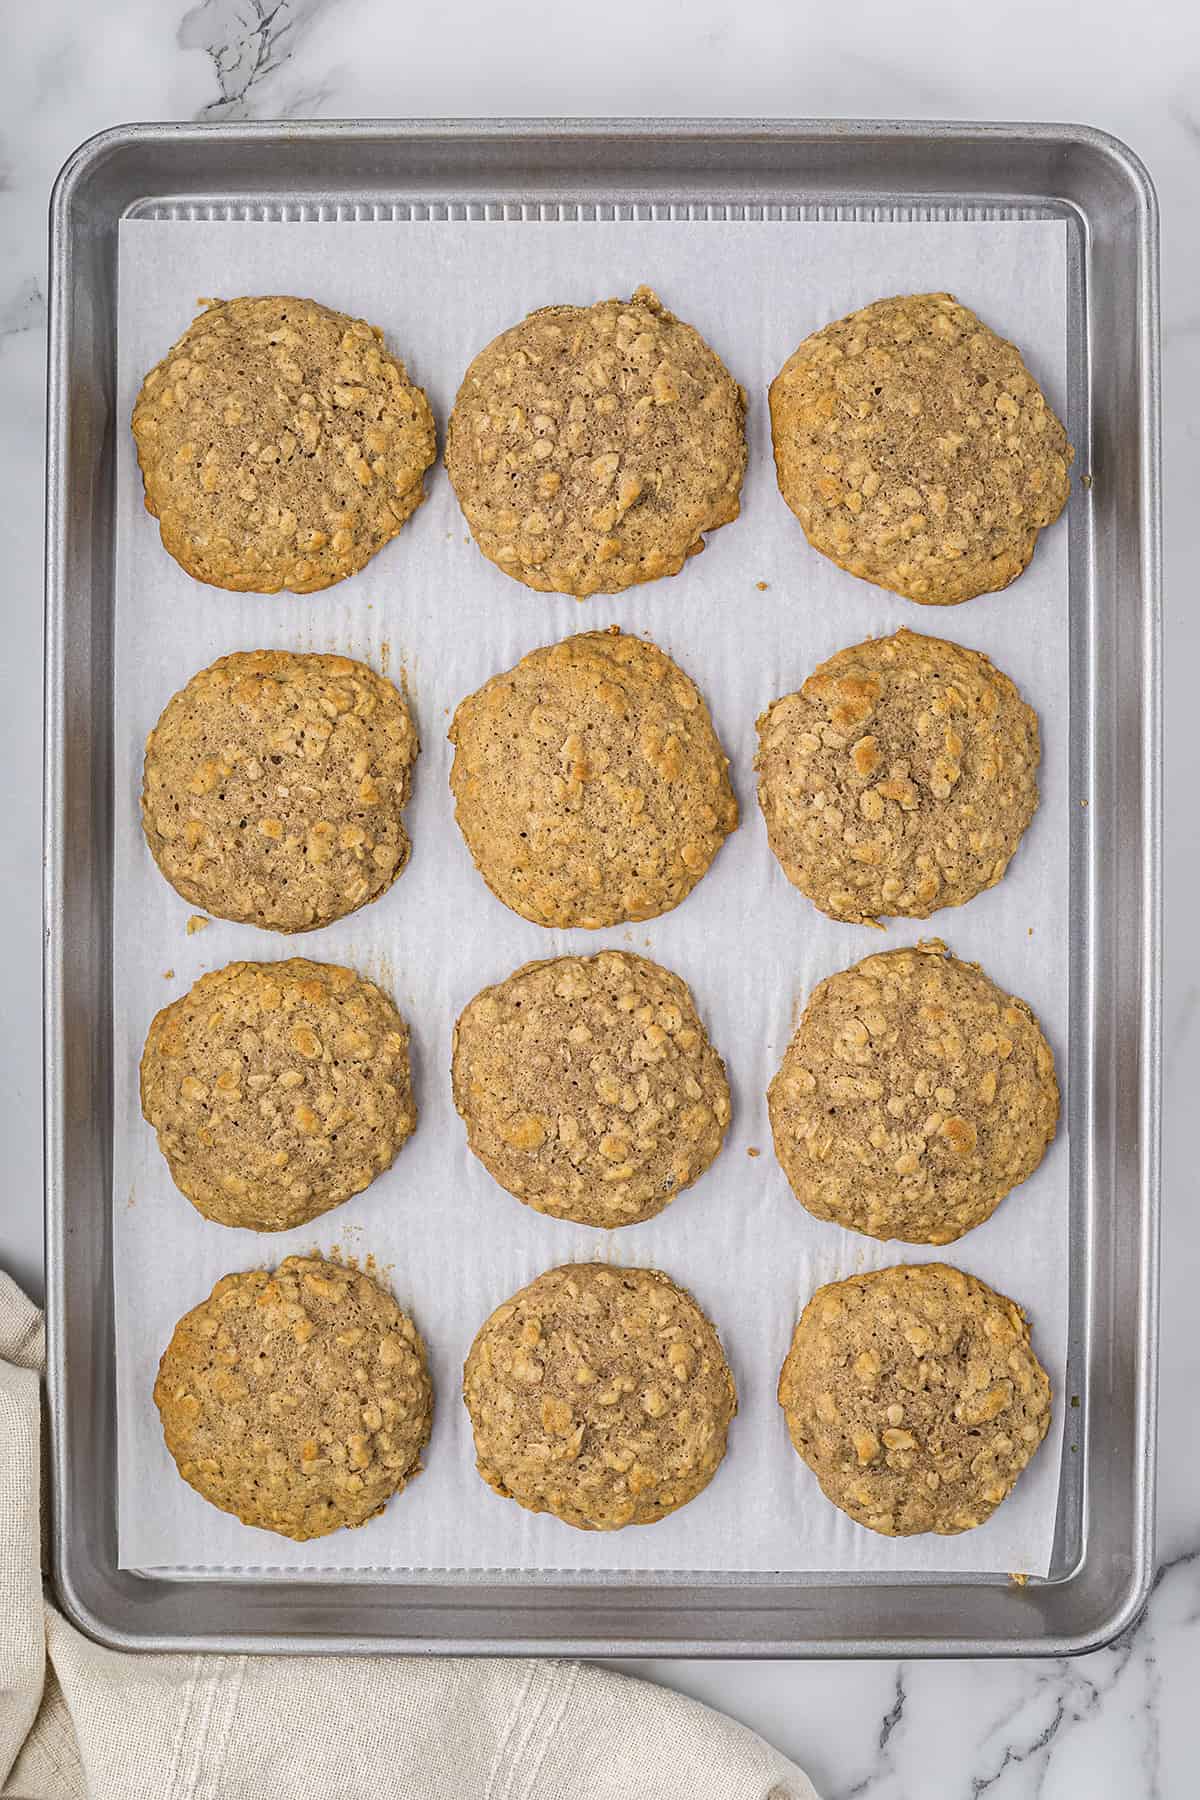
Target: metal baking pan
1103 1562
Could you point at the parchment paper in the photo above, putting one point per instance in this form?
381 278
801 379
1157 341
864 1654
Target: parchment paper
430 611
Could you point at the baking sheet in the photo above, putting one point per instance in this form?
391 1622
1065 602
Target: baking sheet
431 612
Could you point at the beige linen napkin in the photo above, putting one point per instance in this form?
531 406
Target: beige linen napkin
77 1720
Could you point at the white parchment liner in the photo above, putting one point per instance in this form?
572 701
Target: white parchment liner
429 610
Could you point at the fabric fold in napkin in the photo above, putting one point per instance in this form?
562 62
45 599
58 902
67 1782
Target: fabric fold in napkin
78 1720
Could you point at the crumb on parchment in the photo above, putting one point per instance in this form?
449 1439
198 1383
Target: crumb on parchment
197 922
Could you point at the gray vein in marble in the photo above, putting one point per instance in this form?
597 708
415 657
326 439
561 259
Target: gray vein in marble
919 89
1061 1698
1058 1697
1185 1559
307 103
1077 1690
1183 117
884 1766
895 1712
248 40
1152 1705
24 309
1019 1755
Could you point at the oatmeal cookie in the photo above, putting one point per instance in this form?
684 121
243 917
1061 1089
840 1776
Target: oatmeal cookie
589 783
275 785
600 1395
899 779
297 1400
914 1094
916 449
915 1397
591 447
277 1090
281 445
589 1087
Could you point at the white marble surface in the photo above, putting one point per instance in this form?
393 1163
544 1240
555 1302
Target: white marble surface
1115 1723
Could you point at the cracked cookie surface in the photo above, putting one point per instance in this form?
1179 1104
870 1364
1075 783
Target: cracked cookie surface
592 447
589 783
915 1397
913 1096
298 1400
589 1088
916 449
599 1394
275 785
281 445
278 1090
899 779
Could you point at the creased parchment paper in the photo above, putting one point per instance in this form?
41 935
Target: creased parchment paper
748 619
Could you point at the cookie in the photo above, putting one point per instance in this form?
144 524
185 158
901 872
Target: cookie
275 785
899 779
277 1090
914 1094
589 783
591 447
281 445
589 1088
299 1401
916 449
915 1397
600 1395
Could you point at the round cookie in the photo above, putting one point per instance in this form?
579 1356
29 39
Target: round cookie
281 445
589 783
913 1095
299 1400
915 1397
899 779
275 785
589 1087
277 1090
916 449
600 1395
591 447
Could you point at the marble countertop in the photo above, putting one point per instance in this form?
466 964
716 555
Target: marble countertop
1114 1723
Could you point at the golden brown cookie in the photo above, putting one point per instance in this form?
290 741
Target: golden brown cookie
281 445
589 783
275 785
899 779
914 1094
600 1395
589 1088
298 1400
917 450
591 447
277 1090
915 1397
